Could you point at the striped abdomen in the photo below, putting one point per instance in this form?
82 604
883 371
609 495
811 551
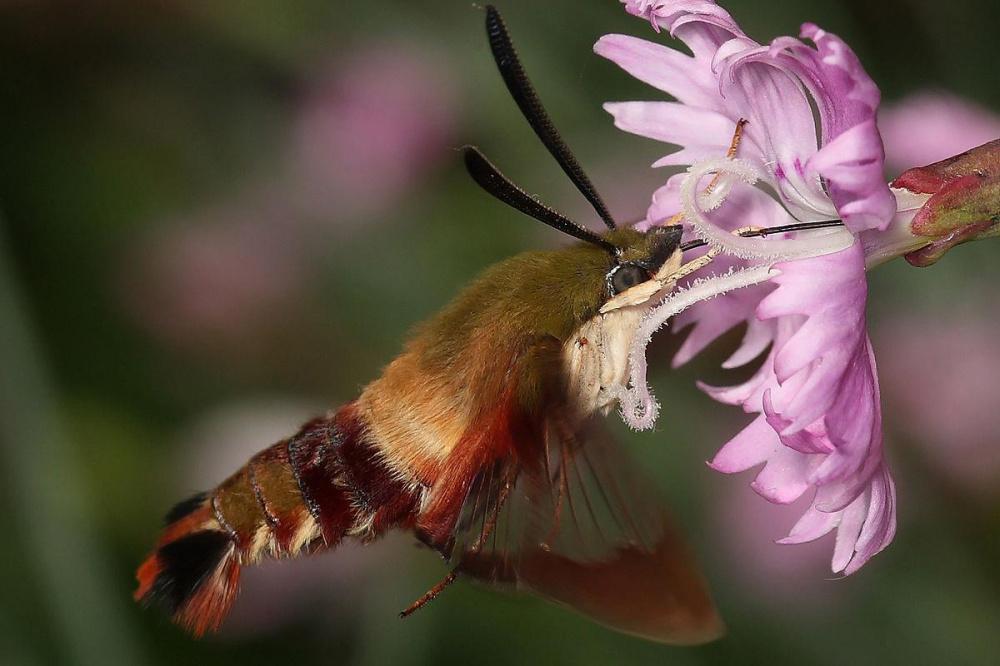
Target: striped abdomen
303 494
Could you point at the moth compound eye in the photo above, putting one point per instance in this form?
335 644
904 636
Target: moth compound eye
625 276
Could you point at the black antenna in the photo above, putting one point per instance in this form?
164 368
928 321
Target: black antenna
527 100
767 231
490 179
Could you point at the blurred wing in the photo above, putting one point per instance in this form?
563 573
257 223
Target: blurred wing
579 526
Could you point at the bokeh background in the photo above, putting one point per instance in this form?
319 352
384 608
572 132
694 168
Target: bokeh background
217 219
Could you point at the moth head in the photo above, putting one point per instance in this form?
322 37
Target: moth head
643 256
641 266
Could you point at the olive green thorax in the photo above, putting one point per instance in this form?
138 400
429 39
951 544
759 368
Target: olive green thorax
534 296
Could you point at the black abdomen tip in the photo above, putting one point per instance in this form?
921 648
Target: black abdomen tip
184 565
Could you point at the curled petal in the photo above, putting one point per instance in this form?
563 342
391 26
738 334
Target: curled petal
757 338
852 165
880 524
701 24
748 393
812 439
768 94
847 94
864 527
717 317
811 526
830 291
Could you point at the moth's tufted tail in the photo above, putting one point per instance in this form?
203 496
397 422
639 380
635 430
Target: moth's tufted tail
289 499
194 572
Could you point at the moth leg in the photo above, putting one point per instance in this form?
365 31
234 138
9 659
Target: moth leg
488 526
563 491
431 594
491 522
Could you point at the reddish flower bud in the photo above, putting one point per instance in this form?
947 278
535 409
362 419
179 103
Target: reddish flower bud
965 201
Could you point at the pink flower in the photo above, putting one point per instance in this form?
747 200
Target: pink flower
218 280
782 580
366 132
730 77
369 130
959 363
931 125
818 424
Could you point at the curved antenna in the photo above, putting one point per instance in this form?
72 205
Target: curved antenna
527 100
490 179
763 232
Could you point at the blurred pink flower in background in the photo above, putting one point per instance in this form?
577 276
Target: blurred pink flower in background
366 132
946 400
932 125
220 276
789 580
326 586
819 426
370 128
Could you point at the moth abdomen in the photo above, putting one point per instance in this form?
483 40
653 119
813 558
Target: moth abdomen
301 495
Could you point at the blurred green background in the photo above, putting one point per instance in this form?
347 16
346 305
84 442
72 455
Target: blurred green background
218 218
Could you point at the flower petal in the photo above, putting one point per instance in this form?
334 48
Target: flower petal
853 164
758 337
784 477
811 526
663 68
818 394
672 122
749 448
852 519
880 525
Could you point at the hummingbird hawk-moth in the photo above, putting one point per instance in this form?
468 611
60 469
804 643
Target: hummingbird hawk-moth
482 438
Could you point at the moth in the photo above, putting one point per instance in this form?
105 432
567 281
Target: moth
482 438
